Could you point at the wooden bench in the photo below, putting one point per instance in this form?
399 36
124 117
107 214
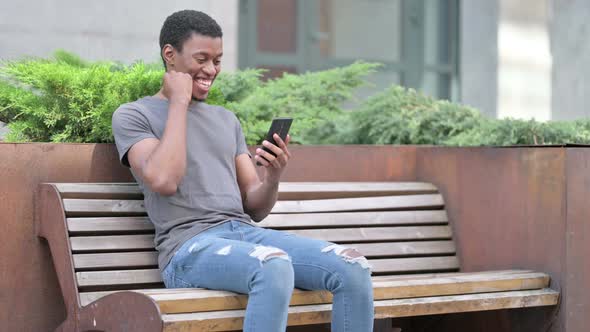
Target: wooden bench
102 247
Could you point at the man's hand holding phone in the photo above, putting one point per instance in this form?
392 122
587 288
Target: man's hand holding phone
274 154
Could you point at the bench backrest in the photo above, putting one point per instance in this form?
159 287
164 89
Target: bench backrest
401 228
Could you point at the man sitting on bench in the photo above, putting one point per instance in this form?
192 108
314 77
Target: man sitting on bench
201 192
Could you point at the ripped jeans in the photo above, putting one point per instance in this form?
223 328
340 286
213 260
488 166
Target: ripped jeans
266 265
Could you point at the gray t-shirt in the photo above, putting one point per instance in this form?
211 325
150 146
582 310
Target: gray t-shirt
209 193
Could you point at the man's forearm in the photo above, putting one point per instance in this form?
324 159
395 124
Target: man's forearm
166 166
261 199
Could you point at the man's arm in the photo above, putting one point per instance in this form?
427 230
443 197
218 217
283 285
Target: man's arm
258 196
161 164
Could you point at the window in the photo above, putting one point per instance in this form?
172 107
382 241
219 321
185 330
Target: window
415 40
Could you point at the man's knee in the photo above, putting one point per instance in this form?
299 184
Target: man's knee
349 255
356 273
265 254
276 271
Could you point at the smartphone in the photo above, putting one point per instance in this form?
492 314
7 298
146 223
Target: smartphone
279 126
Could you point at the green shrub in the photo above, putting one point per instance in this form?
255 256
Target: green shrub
313 99
404 116
67 99
522 132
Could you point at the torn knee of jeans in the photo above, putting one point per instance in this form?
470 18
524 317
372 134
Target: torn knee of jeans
264 253
194 247
350 255
224 251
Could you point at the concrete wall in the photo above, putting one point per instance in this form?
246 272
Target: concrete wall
479 54
115 30
570 45
524 60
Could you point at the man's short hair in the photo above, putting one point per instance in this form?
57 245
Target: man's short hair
180 26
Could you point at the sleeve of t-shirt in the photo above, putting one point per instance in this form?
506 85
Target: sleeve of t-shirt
129 127
241 146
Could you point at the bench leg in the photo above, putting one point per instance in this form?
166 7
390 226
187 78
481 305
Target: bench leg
121 311
385 325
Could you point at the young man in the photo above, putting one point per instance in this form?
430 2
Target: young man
202 191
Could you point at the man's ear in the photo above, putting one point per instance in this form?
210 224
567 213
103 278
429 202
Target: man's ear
168 54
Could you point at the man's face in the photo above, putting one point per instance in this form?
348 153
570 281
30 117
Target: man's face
201 58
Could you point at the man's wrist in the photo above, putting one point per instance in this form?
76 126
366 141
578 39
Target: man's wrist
271 182
179 104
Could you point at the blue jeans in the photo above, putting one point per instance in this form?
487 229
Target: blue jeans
266 265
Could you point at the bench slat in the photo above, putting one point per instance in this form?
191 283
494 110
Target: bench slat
386 287
147 276
118 260
287 190
115 242
360 204
109 224
415 265
321 313
336 219
123 277
99 190
368 234
104 207
323 190
405 248
377 233
420 276
466 303
150 258
276 221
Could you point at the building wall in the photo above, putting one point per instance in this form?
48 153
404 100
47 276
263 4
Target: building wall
524 60
103 30
478 58
570 46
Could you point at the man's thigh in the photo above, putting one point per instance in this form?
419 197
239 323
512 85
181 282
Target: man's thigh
216 263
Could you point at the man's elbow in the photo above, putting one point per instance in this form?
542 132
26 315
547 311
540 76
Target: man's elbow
256 218
163 185
158 181
256 215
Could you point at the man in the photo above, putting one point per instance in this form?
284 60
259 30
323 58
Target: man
202 191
